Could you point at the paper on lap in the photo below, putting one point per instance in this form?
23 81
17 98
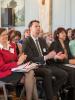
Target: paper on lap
70 65
25 67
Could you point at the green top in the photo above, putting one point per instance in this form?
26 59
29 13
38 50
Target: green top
72 47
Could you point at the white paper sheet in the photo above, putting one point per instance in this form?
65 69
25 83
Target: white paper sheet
70 65
25 67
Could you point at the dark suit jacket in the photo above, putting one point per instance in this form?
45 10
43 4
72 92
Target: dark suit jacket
30 49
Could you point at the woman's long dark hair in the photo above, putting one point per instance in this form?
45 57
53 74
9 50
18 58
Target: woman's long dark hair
58 31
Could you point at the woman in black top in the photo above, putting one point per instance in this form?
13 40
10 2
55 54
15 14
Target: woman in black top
63 55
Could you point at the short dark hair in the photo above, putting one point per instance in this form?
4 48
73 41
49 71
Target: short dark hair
2 30
31 23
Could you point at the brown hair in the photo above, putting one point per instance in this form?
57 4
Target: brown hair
73 34
68 29
18 33
2 30
9 34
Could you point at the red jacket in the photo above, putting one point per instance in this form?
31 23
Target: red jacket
8 60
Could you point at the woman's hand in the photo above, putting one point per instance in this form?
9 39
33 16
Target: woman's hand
21 59
60 56
50 55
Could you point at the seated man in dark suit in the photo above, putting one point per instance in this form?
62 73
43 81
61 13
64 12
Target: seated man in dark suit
37 51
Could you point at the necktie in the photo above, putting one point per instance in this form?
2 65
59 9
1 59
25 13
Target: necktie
38 47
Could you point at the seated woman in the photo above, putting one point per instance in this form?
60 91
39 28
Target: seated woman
25 35
9 60
72 43
69 34
61 46
14 38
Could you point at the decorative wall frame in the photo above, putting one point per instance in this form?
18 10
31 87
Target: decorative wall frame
45 15
12 13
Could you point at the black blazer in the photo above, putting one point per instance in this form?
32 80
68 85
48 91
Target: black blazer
56 45
30 49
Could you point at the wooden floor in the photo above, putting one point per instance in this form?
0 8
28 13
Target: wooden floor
12 95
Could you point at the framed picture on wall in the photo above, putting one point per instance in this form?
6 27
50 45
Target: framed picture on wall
12 13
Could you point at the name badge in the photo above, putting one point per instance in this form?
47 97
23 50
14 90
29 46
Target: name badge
11 50
44 49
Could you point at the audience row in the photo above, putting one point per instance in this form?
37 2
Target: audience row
51 53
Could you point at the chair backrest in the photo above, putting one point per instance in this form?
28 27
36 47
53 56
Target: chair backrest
2 85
